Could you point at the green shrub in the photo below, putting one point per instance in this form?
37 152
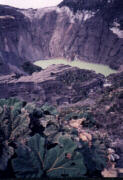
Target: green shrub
14 127
48 109
95 157
35 160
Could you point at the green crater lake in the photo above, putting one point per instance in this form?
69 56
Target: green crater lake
98 68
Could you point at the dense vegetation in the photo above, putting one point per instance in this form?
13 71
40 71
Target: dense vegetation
73 141
35 142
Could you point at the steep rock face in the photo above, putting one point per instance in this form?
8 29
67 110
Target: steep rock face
10 63
26 33
60 32
103 29
58 84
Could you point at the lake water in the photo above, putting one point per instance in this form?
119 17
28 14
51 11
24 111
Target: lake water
98 68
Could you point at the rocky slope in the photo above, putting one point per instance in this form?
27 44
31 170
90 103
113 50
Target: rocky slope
10 63
108 113
87 33
58 84
89 111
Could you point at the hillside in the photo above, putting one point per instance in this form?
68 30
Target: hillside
61 121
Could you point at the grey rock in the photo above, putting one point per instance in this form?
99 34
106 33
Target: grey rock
32 34
67 85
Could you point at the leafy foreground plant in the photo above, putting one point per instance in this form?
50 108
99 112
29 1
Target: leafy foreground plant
14 127
95 157
17 120
35 160
54 156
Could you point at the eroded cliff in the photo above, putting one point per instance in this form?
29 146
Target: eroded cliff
86 33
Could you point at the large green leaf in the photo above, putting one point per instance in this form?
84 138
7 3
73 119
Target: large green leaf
14 127
50 130
36 159
30 107
14 123
9 102
49 109
95 157
58 165
7 153
29 162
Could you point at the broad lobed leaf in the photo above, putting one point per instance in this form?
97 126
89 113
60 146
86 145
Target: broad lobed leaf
37 159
